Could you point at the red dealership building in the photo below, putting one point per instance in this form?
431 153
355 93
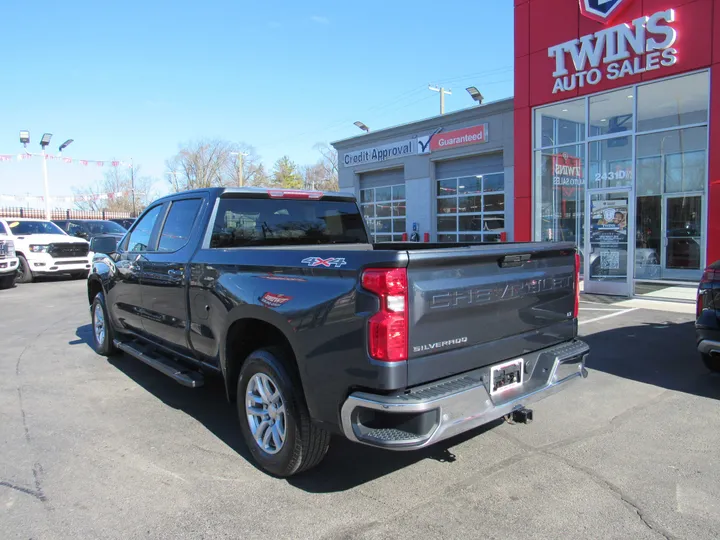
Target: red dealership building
617 136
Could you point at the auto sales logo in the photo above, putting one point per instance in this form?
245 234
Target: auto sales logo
567 170
623 50
325 263
603 11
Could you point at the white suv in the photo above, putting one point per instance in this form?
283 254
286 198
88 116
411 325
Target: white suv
43 248
8 260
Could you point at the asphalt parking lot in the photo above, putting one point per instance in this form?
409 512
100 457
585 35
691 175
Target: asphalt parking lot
97 448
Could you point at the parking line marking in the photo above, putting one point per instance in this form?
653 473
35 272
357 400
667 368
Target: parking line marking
608 316
601 309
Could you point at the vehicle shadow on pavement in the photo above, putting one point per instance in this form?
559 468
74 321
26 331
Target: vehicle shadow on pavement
661 354
347 465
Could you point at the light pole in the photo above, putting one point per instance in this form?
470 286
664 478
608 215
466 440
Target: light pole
475 94
239 166
362 126
44 142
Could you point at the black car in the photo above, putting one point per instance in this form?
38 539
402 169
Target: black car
90 228
124 222
707 324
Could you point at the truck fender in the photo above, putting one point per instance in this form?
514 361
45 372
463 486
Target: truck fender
264 315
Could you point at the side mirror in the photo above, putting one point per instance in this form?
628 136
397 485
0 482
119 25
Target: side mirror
104 244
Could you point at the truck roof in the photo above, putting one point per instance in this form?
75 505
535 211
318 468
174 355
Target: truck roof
271 191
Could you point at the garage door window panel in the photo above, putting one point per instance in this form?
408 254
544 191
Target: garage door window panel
471 206
384 209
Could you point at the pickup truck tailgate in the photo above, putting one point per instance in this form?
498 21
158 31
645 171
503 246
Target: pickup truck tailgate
476 306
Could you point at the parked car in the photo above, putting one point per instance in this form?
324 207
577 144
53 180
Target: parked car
316 331
707 323
44 249
88 229
8 259
126 223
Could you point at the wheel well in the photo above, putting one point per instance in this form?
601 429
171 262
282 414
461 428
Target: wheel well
94 287
246 336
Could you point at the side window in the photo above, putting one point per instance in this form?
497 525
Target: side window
179 224
140 237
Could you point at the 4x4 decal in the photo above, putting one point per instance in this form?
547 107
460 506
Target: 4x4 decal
326 263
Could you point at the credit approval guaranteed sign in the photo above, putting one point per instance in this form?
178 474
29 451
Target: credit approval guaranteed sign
453 139
645 44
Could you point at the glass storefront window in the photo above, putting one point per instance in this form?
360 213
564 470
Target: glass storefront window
384 211
640 160
611 113
674 102
471 208
560 191
560 124
672 161
611 163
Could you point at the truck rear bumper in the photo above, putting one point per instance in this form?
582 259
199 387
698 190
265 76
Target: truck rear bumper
430 413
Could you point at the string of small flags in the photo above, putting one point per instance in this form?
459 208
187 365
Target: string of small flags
67 199
67 160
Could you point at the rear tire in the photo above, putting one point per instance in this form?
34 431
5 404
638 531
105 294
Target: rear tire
25 275
7 281
102 332
289 443
711 362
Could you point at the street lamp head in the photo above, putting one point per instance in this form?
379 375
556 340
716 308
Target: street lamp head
64 145
25 137
475 94
45 140
362 126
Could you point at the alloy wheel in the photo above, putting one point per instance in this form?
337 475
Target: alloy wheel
265 409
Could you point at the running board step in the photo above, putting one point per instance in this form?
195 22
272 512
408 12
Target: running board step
177 372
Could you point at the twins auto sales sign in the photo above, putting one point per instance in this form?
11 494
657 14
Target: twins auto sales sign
567 170
645 44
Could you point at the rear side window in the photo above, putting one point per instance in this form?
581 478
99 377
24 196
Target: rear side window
276 222
178 225
140 237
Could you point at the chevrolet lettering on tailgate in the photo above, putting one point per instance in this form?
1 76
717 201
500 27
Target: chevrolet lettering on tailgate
506 291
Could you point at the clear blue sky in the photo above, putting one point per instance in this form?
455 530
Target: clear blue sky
136 79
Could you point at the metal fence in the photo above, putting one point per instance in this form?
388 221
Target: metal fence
18 212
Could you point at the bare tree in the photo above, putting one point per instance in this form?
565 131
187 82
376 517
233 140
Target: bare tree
115 191
213 163
323 175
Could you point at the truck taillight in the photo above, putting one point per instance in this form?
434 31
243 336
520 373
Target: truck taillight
709 276
388 328
576 309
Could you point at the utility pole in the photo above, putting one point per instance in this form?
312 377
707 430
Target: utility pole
240 166
442 92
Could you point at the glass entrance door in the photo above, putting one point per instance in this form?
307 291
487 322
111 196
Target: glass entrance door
608 251
683 248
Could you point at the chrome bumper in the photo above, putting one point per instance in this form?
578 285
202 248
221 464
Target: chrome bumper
446 408
708 346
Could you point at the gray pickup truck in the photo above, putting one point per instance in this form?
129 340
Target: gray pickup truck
315 330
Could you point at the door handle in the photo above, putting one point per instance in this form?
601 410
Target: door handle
175 273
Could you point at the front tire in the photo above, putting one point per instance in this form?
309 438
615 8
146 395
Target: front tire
711 362
25 275
7 281
274 419
102 331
